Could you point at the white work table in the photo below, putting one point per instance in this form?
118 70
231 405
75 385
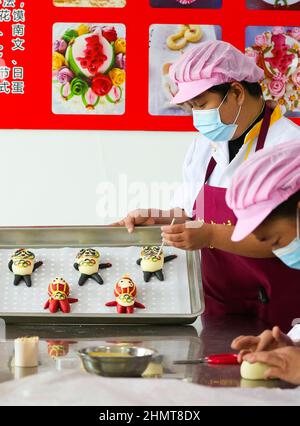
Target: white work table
62 381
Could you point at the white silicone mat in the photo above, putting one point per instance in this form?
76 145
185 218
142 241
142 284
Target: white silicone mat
171 296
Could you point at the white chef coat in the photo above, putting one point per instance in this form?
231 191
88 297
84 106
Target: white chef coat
202 149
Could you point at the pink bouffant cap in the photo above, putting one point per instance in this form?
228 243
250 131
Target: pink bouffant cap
209 64
261 184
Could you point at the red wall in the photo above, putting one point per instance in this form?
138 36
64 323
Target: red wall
33 109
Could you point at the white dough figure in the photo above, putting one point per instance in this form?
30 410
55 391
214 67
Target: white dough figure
88 264
22 264
152 262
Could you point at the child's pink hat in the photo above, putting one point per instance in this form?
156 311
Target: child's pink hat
209 64
261 184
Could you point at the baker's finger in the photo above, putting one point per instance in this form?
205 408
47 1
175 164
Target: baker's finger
245 342
266 341
266 357
274 373
119 223
176 245
281 337
173 229
242 354
176 238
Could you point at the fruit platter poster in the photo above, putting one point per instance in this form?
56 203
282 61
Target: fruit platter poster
103 64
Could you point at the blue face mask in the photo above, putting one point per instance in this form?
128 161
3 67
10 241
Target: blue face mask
290 255
208 122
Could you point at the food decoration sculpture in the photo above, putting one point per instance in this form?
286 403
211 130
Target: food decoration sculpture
152 261
58 291
59 348
88 264
125 296
23 264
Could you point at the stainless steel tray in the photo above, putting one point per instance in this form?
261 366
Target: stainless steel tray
101 236
167 349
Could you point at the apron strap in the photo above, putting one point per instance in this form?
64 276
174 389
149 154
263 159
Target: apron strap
211 167
260 142
264 129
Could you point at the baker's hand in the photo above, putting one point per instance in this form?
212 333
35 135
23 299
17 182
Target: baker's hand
266 341
284 363
136 218
191 235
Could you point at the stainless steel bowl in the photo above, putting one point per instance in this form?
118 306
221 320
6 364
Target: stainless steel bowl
116 360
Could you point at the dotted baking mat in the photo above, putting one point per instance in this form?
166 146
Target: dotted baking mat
171 296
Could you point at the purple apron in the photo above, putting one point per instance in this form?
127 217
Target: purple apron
264 288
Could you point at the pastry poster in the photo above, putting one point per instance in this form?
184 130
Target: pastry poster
103 64
167 44
277 51
89 69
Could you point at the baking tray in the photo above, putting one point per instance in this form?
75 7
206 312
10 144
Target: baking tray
63 240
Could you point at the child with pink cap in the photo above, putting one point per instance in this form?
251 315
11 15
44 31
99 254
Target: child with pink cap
220 87
265 197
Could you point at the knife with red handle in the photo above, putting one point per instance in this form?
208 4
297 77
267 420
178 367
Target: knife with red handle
221 359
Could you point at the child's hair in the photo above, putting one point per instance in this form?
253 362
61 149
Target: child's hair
287 209
254 89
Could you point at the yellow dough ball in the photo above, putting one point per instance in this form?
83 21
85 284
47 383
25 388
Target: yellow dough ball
255 371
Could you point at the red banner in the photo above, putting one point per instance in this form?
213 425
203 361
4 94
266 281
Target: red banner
29 93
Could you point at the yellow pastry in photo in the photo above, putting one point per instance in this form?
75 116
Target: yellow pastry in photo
186 34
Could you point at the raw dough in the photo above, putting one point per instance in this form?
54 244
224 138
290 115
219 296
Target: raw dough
151 262
88 264
88 261
254 371
23 262
125 296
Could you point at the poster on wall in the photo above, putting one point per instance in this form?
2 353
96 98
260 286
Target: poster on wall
167 44
88 69
274 4
277 51
204 4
